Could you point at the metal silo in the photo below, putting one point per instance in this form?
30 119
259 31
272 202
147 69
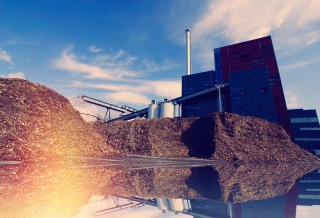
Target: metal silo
153 110
176 204
163 204
167 109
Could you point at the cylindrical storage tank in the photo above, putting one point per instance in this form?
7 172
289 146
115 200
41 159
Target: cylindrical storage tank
167 109
176 204
153 110
163 204
177 110
186 204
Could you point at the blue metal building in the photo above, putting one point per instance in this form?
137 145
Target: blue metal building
255 89
305 129
203 104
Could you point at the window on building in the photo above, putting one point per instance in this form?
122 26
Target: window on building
308 139
313 189
310 128
243 92
257 60
309 196
263 90
245 55
309 181
305 120
268 46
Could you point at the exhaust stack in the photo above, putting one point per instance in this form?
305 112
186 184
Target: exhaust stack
188 47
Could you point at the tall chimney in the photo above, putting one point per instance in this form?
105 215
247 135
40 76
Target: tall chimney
188 46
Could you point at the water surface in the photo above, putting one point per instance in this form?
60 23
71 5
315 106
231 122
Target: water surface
142 187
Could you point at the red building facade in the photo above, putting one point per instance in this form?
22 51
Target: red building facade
250 56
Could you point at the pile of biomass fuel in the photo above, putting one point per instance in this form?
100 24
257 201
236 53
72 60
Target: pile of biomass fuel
220 136
37 124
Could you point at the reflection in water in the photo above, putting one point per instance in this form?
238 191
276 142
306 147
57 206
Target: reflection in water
61 191
42 191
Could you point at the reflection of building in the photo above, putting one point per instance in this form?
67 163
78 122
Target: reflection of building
175 205
305 130
264 209
211 208
253 209
309 190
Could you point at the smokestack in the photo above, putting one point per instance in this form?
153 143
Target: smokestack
188 46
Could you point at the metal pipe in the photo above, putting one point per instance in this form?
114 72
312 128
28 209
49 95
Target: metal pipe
219 86
188 47
230 210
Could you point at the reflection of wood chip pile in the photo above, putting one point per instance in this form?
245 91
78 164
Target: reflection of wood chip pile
47 191
33 191
36 123
224 182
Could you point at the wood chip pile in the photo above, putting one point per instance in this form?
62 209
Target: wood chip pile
38 124
220 136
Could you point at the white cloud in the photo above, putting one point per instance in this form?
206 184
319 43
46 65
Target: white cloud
292 100
298 64
18 75
116 66
90 112
162 89
94 49
125 79
127 97
124 75
165 89
292 24
151 66
116 69
4 56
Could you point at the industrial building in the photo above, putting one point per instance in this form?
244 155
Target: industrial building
254 86
305 129
245 81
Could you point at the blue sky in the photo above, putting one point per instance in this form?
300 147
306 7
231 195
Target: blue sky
129 52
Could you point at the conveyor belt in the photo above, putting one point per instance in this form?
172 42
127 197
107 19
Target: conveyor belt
179 100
